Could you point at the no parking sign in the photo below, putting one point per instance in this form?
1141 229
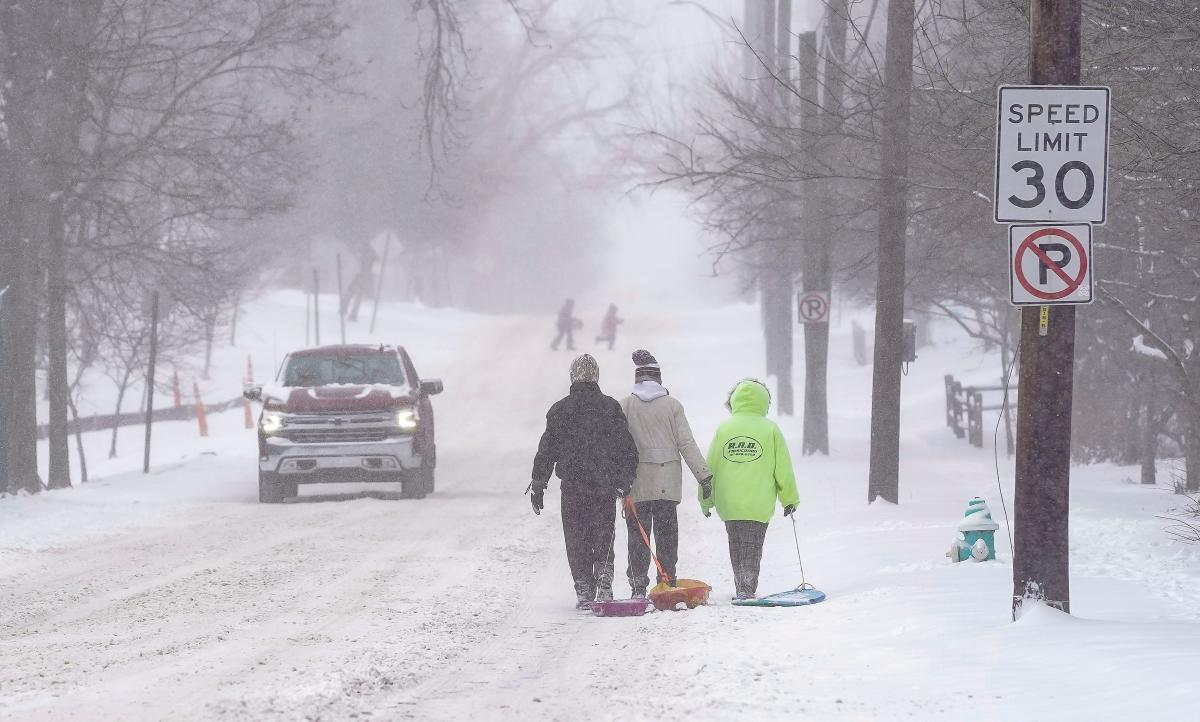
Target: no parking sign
813 306
1050 264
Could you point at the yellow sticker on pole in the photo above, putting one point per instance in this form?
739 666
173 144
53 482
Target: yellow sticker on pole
1043 320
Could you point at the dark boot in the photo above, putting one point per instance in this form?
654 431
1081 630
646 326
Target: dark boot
585 595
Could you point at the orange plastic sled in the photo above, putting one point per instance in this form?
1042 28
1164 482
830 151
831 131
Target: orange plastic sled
690 592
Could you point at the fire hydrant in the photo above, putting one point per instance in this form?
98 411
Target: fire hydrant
976 534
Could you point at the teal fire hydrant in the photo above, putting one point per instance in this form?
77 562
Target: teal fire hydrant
976 534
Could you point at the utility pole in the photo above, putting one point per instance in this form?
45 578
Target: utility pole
884 480
150 380
341 300
1043 473
779 263
821 121
3 407
316 307
815 267
387 244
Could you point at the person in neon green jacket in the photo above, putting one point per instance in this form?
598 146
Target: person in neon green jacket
751 469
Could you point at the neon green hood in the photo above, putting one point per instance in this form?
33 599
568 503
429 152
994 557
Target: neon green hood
749 459
749 397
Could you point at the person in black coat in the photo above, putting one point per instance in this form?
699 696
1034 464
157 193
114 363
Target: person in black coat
566 324
587 443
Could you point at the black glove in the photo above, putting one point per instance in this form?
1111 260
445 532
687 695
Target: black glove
706 485
789 509
536 497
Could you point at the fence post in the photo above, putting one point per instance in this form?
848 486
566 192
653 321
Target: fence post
959 430
950 401
247 412
975 417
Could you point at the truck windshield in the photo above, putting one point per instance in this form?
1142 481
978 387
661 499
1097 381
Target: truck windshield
357 369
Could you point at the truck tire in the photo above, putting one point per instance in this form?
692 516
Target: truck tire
427 478
413 488
272 489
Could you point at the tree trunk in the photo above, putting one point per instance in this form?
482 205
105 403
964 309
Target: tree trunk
777 316
821 120
1191 446
210 329
884 480
112 447
237 304
20 375
83 474
57 385
1150 428
45 48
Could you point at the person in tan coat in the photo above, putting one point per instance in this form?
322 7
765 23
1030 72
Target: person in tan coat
660 429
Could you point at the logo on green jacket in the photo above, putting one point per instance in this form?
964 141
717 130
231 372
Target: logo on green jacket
743 449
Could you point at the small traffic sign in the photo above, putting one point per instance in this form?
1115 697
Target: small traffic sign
1051 154
1050 265
813 306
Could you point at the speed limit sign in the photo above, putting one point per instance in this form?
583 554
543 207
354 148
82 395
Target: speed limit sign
1051 154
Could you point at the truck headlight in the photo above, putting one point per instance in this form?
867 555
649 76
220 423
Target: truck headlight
271 422
407 419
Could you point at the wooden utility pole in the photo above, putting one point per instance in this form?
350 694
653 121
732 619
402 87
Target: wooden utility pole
779 259
316 307
821 120
1043 474
341 300
884 480
815 266
387 244
150 380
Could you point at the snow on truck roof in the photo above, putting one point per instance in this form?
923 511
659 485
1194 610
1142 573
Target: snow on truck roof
347 350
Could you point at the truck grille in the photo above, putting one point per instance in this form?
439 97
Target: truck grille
333 435
334 428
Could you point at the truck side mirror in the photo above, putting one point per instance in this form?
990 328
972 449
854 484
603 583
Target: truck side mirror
253 392
431 387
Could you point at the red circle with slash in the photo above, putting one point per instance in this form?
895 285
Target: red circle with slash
1030 245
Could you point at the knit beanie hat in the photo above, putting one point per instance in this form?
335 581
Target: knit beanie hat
647 368
586 369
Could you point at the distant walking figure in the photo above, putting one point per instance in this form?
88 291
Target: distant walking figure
567 323
608 327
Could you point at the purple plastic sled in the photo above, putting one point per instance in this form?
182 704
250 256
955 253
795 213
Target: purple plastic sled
621 608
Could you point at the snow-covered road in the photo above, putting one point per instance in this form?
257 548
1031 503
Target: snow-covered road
177 596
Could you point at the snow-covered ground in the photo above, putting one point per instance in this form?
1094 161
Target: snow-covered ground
175 595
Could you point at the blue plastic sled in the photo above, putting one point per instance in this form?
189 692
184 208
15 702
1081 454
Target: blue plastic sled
801 596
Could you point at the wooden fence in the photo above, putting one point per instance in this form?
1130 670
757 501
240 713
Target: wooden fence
137 418
965 406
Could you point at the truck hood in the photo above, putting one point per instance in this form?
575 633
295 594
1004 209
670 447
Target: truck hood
340 398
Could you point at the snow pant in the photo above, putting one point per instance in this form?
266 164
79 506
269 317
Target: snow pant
745 553
610 339
660 519
568 333
589 527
